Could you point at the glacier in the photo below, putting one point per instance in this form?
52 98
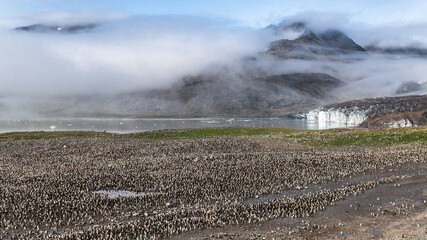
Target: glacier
347 116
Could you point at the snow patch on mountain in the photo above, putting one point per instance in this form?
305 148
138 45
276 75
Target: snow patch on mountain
400 123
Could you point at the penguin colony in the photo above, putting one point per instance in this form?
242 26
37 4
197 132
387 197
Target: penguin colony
48 188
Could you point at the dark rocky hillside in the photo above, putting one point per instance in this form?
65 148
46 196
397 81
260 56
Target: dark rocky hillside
309 45
210 96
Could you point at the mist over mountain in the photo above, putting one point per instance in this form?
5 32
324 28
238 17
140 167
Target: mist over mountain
398 51
141 69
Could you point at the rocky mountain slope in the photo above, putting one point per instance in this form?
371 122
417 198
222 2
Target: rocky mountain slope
210 96
308 45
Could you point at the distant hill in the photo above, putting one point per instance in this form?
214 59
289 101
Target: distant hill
57 28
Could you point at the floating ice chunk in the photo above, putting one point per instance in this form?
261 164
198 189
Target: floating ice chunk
52 127
210 121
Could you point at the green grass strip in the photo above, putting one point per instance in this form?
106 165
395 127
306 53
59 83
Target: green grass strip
321 138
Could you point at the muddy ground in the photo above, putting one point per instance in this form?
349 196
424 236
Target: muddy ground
253 187
390 211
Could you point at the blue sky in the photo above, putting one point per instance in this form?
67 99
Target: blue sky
252 13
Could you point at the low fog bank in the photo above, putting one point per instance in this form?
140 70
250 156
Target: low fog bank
147 60
122 55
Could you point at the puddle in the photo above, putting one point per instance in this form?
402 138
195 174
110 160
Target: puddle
112 194
375 231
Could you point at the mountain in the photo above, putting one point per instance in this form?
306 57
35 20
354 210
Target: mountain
309 45
209 96
56 28
251 92
337 39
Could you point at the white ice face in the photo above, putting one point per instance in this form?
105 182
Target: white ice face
342 116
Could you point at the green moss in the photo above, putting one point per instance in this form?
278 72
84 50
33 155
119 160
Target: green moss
211 132
364 137
161 134
325 138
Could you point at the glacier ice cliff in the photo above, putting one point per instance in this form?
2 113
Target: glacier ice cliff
347 116
383 112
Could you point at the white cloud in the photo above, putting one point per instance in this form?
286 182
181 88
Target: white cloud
122 55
